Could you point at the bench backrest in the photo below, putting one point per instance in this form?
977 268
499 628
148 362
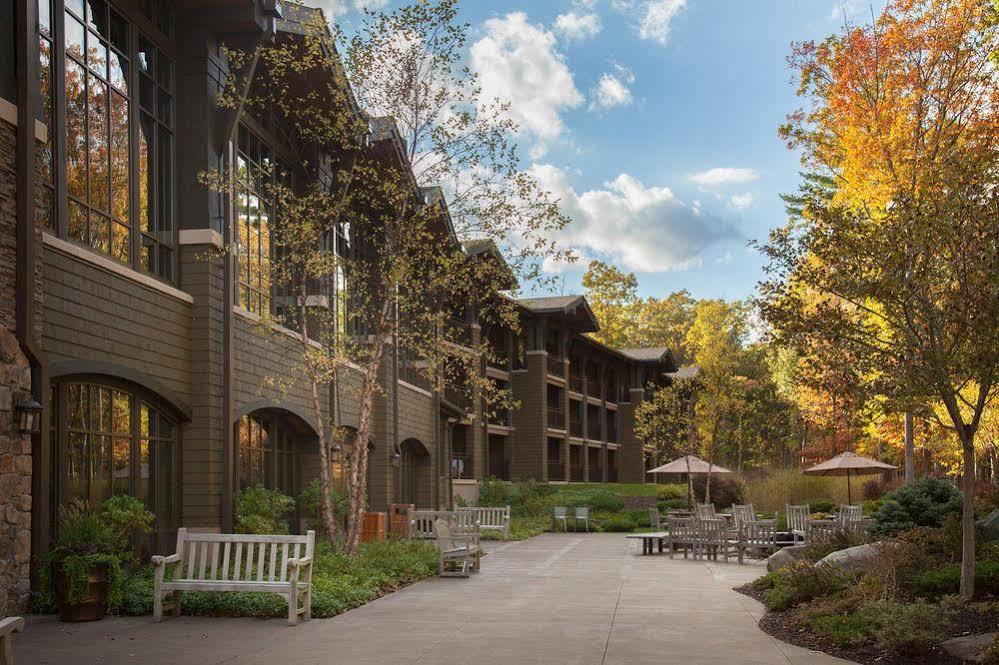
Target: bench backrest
655 519
704 511
423 522
681 529
234 557
849 515
761 534
487 517
743 513
712 530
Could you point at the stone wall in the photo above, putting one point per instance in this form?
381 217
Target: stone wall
15 480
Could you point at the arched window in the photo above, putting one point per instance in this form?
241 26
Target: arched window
267 452
111 438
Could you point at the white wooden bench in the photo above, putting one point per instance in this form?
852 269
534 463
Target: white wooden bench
8 626
489 518
423 522
238 562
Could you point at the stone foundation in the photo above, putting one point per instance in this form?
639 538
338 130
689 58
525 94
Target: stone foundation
15 480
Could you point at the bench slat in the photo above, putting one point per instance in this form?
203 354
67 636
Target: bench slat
245 538
239 559
215 560
192 549
284 562
273 561
248 573
225 561
261 552
203 568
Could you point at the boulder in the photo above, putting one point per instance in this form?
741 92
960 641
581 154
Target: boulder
857 559
969 648
988 527
785 556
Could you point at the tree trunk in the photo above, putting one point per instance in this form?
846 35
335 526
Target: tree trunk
968 517
910 450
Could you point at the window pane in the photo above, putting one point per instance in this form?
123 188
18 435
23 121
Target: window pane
44 18
97 55
146 176
77 453
119 32
45 93
97 15
74 37
100 232
121 413
99 143
118 72
165 480
164 226
147 57
76 130
119 157
100 461
121 467
142 482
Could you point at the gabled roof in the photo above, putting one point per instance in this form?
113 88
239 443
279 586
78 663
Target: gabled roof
651 354
685 372
571 306
486 247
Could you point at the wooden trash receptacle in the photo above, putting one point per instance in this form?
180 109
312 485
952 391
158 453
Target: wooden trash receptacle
401 520
374 528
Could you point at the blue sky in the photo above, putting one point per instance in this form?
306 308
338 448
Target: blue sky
655 122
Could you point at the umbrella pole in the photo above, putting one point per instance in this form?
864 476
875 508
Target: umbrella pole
849 496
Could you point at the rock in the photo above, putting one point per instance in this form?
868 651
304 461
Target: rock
969 648
857 559
988 526
785 556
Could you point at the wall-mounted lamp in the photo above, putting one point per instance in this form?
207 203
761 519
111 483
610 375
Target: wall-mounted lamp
29 415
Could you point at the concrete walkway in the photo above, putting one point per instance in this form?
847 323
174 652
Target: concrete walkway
555 599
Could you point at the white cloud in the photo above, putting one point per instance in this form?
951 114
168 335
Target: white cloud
742 201
639 227
724 175
848 10
573 26
656 15
609 92
519 62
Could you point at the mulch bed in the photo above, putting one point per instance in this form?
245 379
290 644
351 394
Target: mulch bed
781 626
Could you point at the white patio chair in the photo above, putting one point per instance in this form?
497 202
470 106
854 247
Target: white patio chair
560 514
582 514
798 521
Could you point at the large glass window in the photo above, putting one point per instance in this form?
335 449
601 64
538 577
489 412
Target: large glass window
254 169
266 452
117 88
111 440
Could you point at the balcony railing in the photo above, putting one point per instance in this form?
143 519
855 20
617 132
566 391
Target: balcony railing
593 429
575 382
556 418
461 466
556 471
576 427
576 473
556 366
499 359
457 397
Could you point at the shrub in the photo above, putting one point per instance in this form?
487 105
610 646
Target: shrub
875 489
823 543
848 630
493 492
640 517
673 504
925 502
672 491
822 505
908 628
946 580
310 500
617 523
800 582
260 510
726 489
991 655
772 492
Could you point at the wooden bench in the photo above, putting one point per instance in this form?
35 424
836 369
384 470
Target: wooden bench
423 522
238 562
459 552
9 626
489 518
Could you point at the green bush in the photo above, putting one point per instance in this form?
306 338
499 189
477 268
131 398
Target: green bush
925 502
641 518
821 544
260 510
671 491
617 523
908 628
800 582
822 505
674 504
725 489
946 580
310 500
598 499
849 630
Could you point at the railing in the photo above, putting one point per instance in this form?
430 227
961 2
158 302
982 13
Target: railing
459 332
576 426
499 359
556 366
556 471
612 430
461 465
556 418
593 429
412 375
575 382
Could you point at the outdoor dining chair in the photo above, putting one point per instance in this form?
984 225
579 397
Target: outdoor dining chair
560 514
714 537
681 533
849 518
743 513
655 519
797 521
582 515
705 511
760 537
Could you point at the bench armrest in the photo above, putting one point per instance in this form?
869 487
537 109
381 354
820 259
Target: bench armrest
166 560
301 562
10 625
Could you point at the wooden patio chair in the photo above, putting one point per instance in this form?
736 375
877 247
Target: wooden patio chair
850 518
459 553
743 513
705 511
798 520
9 626
760 537
582 513
681 534
714 536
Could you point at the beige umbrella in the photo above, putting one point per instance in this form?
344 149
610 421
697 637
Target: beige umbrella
689 464
849 464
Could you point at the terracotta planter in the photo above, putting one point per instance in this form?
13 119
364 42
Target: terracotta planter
92 607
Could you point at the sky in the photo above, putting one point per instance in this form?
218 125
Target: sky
653 121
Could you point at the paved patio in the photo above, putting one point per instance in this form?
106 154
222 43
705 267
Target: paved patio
557 598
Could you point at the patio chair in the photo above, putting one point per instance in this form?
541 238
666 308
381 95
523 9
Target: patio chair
850 517
655 519
705 511
798 521
681 534
760 537
459 552
582 514
714 536
743 513
560 514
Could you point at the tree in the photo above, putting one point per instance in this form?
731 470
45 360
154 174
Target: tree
394 188
896 267
612 295
665 422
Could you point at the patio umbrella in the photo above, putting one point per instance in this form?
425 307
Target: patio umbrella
689 464
849 464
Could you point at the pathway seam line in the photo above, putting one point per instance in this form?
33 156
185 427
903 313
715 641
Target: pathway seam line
610 630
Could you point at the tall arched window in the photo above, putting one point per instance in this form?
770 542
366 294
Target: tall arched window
111 438
267 452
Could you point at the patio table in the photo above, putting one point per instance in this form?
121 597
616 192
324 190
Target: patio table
649 540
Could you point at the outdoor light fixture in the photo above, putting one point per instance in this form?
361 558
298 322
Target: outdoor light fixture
396 459
29 415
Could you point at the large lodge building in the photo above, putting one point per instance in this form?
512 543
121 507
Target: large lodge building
144 355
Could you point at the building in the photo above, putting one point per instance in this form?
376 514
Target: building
132 298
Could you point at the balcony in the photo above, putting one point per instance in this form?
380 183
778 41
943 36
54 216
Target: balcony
556 418
576 473
556 366
593 388
499 359
556 471
501 417
612 432
458 332
457 397
576 426
575 382
461 465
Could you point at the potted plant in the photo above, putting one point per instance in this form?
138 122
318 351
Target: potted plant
82 571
